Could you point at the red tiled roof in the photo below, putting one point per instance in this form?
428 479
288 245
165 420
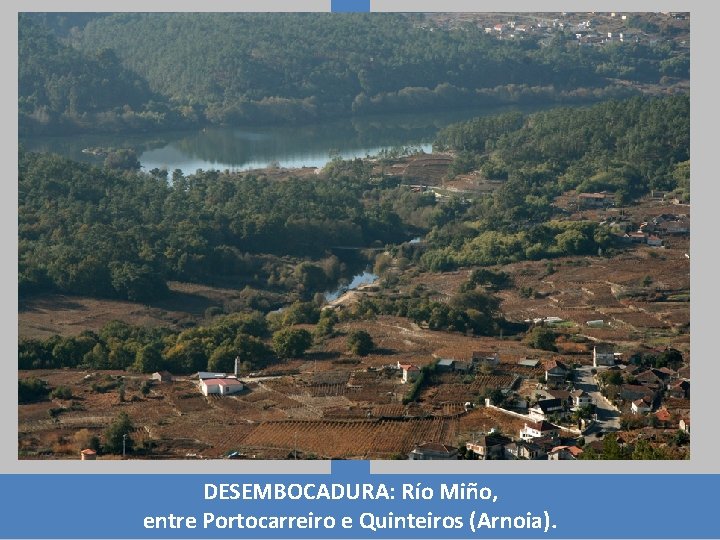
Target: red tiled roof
409 367
222 382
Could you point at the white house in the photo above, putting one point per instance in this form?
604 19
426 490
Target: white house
564 452
162 376
539 429
409 372
220 386
603 355
546 407
640 406
581 399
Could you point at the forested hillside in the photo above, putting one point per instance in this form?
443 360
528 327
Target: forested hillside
290 68
108 233
623 147
61 89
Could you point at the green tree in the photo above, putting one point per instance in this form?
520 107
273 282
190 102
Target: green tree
222 359
360 342
326 325
291 342
148 359
121 427
123 158
32 389
253 353
542 338
186 356
611 448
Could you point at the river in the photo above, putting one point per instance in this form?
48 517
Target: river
237 149
357 280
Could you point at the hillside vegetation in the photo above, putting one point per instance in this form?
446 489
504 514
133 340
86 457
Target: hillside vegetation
192 68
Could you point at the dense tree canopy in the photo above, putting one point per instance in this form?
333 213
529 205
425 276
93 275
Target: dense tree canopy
623 147
182 69
108 233
62 89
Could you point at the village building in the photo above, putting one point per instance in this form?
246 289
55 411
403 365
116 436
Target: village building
490 446
679 389
485 359
222 387
546 407
564 453
632 392
433 451
640 406
539 429
594 200
410 373
654 241
446 364
529 450
162 376
580 399
555 373
88 454
663 417
637 237
210 375
603 355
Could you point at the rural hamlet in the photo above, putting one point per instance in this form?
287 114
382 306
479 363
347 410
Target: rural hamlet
405 236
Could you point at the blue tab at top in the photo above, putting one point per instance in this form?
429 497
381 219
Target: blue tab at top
350 6
357 469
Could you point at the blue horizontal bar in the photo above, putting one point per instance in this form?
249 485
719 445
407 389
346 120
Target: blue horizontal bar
562 505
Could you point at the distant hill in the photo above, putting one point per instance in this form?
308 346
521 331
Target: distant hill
61 88
294 66
63 24
232 68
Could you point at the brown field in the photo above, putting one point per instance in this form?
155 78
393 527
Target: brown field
44 316
363 439
332 404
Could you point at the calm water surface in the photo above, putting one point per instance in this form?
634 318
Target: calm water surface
239 149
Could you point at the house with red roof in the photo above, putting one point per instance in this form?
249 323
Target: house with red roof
222 387
88 454
663 416
564 452
409 372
